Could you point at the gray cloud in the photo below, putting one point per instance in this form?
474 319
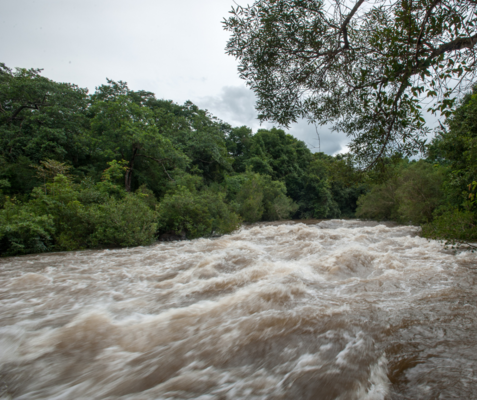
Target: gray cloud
329 142
174 49
236 105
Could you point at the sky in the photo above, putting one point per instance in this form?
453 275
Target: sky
174 49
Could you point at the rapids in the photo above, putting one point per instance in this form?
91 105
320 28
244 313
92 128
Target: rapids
327 310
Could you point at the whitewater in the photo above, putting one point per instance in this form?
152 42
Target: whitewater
336 309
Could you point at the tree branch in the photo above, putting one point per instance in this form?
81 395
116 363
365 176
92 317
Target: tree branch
424 21
454 45
18 110
344 25
158 160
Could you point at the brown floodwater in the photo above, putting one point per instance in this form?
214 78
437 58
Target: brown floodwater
324 310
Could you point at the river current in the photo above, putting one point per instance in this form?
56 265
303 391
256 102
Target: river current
325 310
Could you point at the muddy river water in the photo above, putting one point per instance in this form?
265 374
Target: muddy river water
327 310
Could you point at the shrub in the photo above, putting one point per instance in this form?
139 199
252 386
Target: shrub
22 231
454 226
195 214
259 198
381 203
277 205
183 213
250 199
124 222
61 200
411 196
419 192
224 219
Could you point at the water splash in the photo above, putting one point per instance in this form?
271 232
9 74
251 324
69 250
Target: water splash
329 310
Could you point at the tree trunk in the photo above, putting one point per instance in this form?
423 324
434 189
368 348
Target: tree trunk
128 179
129 172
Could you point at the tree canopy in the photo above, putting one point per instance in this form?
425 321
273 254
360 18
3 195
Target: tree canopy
368 67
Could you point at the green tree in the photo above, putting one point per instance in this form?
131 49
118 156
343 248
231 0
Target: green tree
347 183
39 119
455 147
364 66
23 230
410 196
258 197
122 128
187 212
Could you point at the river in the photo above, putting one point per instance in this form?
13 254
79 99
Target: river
325 310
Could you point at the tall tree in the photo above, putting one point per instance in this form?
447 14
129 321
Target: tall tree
123 128
365 66
40 118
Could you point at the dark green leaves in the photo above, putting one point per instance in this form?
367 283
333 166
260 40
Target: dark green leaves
363 70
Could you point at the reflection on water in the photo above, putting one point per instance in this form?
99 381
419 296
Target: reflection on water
325 310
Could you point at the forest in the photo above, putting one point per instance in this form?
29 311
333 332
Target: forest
119 168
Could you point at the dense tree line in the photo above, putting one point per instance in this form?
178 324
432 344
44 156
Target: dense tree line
122 168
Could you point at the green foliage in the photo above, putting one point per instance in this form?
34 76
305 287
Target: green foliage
410 196
260 198
124 222
193 214
22 231
59 200
40 119
126 130
311 191
224 218
367 67
238 143
420 192
120 168
67 216
456 147
276 204
4 184
250 197
381 203
452 225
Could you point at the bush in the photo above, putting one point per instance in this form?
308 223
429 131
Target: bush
250 199
411 196
56 219
195 214
277 206
60 200
419 192
22 231
125 222
259 198
224 219
381 203
452 225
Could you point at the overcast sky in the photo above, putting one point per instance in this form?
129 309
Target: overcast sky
174 49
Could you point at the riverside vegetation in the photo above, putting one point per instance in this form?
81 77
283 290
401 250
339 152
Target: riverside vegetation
437 192
123 168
